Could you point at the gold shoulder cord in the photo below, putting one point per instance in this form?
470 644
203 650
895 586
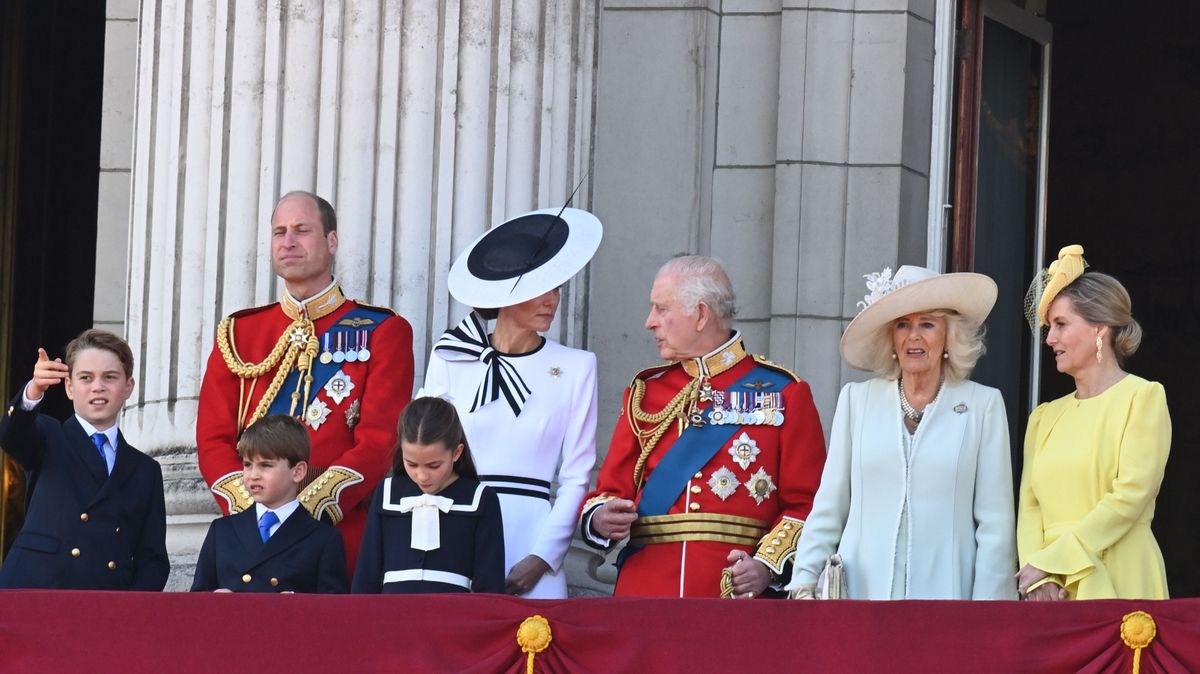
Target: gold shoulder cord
660 421
297 343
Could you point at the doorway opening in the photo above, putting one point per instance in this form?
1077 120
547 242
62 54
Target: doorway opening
1120 157
51 80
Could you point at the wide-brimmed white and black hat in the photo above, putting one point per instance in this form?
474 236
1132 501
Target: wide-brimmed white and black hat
867 344
524 257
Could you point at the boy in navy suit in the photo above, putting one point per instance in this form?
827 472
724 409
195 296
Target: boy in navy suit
96 518
276 546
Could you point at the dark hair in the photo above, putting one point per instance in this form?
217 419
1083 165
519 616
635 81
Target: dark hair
275 436
328 216
488 314
429 421
105 341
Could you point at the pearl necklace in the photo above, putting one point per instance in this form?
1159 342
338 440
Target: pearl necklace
906 407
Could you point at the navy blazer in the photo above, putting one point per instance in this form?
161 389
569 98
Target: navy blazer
303 555
471 537
84 529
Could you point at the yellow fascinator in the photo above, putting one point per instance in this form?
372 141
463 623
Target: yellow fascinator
1048 283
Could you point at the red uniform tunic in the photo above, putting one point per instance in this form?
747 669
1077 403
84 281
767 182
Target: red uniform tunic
754 500
351 448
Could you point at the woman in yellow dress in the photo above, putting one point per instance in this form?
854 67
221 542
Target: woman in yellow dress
1094 459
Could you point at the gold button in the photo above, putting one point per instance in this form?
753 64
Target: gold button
694 506
695 489
82 517
699 476
118 530
112 566
10 410
74 552
770 550
274 582
246 578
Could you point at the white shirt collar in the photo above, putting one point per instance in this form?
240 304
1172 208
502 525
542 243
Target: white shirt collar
90 430
282 512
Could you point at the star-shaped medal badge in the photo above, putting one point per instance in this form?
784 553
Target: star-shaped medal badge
298 337
338 387
317 413
760 486
723 482
744 451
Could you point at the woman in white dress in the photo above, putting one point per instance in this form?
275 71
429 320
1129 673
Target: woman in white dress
528 403
916 495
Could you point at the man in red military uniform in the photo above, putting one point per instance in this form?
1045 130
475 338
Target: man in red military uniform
343 368
716 458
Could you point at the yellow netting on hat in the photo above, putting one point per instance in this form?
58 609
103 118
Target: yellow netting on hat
1049 282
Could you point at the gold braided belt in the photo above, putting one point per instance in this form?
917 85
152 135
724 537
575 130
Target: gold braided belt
709 527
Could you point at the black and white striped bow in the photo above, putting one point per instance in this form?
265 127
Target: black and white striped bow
469 341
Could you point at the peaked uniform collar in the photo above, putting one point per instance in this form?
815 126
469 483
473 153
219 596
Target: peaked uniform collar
316 307
719 360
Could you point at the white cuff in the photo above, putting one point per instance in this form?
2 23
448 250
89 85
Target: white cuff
590 532
26 403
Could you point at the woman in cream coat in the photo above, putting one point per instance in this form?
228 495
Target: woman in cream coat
916 496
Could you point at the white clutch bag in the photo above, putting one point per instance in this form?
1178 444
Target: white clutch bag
831 582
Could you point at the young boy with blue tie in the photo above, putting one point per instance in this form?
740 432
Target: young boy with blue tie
276 546
96 518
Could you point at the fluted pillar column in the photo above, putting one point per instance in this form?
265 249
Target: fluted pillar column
422 122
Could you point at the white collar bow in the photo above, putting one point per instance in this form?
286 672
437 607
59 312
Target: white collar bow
426 510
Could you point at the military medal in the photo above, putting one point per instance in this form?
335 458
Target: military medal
364 354
338 387
317 413
326 357
760 485
744 451
352 351
338 355
723 482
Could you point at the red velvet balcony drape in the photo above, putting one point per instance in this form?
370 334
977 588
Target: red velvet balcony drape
135 632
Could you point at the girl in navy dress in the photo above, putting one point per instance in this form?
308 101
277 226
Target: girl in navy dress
432 527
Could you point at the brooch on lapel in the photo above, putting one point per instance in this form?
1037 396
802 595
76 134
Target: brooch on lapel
960 408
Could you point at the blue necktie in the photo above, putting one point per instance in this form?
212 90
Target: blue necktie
100 439
269 519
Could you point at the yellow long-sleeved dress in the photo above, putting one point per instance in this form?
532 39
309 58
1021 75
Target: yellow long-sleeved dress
1092 472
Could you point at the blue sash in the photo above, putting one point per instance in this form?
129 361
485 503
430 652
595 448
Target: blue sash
695 448
322 372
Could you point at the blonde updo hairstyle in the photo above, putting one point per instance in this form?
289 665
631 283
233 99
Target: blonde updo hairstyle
1101 300
964 347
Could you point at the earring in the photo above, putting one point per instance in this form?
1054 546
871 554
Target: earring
945 355
1099 349
893 355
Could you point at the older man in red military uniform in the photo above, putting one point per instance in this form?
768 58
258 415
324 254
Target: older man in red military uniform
716 458
345 369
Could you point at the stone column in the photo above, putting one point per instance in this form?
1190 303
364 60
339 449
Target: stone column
423 123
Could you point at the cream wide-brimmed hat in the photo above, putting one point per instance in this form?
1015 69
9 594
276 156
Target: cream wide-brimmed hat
524 257
867 343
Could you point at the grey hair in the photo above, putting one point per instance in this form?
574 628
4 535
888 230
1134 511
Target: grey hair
964 347
702 279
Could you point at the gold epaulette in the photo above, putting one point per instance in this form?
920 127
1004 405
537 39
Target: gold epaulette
231 488
776 366
322 494
778 547
253 310
387 310
647 373
598 499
